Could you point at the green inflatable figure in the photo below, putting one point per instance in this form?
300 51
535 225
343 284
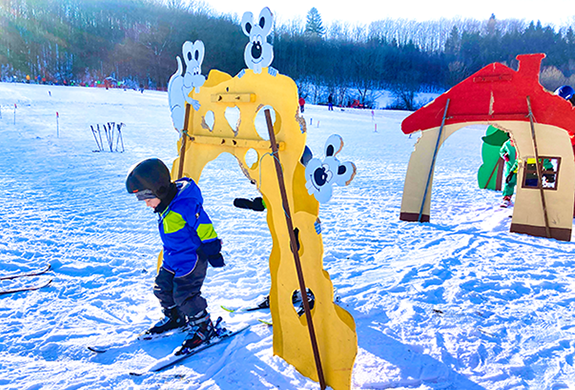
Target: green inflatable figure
491 171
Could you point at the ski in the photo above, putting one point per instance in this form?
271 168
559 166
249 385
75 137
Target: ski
171 359
25 274
28 288
140 337
264 305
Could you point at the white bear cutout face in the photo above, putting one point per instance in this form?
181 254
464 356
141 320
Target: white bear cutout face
321 176
258 53
193 57
183 82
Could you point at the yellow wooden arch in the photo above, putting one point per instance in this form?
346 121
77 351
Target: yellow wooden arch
209 135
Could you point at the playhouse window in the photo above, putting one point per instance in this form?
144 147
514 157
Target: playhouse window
549 171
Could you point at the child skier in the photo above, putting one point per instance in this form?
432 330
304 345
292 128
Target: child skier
189 242
509 154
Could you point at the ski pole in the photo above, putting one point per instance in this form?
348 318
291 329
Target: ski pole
111 138
15 114
112 128
95 138
101 142
121 138
294 250
57 126
107 131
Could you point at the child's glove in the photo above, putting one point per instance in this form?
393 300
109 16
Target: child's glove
256 204
211 251
506 157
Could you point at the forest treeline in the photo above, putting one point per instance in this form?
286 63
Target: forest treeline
136 42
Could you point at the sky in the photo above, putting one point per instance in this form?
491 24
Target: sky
556 12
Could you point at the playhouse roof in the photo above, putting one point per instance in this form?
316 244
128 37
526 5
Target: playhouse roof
497 93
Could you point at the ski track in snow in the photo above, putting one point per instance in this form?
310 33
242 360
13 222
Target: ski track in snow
457 303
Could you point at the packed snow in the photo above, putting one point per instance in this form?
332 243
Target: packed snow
457 303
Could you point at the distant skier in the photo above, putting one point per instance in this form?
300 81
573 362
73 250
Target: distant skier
509 154
567 93
301 104
189 242
330 102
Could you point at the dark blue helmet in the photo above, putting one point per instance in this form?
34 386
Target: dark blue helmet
565 91
151 177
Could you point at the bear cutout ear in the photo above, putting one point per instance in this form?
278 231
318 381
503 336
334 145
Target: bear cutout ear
199 51
187 51
345 173
247 21
333 145
266 21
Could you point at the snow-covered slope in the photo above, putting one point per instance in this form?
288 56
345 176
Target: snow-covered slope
458 303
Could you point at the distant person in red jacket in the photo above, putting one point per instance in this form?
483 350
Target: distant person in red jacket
301 104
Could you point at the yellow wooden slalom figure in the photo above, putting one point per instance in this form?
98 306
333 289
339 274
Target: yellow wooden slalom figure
207 134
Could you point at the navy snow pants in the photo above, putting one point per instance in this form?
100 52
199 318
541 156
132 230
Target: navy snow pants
184 291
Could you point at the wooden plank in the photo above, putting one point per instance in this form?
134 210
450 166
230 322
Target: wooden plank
246 97
235 142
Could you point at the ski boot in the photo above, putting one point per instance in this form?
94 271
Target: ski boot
201 330
506 202
296 299
265 304
172 320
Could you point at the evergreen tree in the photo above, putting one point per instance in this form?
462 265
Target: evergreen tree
453 43
314 25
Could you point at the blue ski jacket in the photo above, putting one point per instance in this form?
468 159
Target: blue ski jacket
185 229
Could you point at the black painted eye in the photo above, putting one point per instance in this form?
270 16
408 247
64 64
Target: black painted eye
329 151
197 54
262 22
341 170
319 176
249 27
189 56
